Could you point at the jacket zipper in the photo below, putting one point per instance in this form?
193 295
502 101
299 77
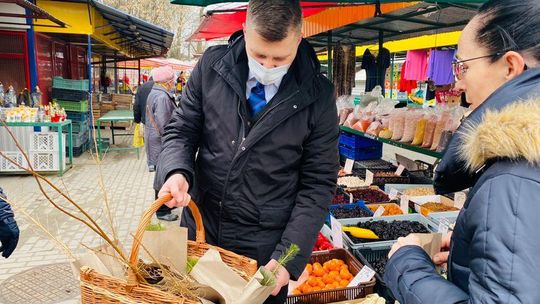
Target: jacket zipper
241 139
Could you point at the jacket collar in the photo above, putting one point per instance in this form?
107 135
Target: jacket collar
512 133
452 174
233 67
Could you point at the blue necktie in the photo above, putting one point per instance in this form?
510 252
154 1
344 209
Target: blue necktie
257 99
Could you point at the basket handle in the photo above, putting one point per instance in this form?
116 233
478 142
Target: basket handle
147 216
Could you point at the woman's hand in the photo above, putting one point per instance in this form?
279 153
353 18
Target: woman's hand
410 240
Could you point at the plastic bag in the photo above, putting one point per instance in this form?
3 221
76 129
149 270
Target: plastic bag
420 131
138 139
439 128
411 121
374 128
350 121
430 130
399 125
345 105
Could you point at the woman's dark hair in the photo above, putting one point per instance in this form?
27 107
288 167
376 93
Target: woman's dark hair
510 26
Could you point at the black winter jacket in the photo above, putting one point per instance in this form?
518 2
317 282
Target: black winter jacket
139 108
260 184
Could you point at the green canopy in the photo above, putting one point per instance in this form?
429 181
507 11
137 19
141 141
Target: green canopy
209 2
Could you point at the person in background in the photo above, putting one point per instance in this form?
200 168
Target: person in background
493 249
180 83
124 86
158 110
141 97
9 231
254 140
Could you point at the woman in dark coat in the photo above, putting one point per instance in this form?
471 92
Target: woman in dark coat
159 108
494 246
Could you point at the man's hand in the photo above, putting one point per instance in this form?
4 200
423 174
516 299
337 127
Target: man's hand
177 186
411 239
282 278
441 258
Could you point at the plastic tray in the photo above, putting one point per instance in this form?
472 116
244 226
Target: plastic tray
335 295
72 95
374 152
359 204
382 244
78 139
78 127
376 164
77 116
368 256
450 216
70 84
73 106
354 141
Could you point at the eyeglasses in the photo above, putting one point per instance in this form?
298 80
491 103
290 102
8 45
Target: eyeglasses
459 69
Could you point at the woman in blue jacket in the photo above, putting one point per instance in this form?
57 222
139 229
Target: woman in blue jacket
9 232
493 251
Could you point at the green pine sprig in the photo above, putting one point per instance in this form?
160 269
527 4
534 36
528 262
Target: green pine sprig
269 277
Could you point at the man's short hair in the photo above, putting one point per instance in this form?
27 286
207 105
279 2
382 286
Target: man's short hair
274 19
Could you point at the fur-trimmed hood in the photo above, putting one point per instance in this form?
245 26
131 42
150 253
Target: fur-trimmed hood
510 133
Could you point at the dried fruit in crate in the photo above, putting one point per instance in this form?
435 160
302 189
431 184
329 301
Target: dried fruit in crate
369 195
354 212
332 274
419 191
427 208
389 209
389 231
351 182
340 199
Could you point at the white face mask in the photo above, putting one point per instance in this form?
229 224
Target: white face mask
265 75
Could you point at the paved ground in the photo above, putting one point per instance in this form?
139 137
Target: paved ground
128 186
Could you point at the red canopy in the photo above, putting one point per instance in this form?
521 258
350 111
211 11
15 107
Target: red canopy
219 25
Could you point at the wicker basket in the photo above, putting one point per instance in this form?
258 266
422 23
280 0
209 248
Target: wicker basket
99 288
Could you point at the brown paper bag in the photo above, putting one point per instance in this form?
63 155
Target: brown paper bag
254 292
103 259
168 247
430 242
210 270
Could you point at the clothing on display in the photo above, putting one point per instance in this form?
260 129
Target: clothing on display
417 65
406 85
440 66
375 68
344 69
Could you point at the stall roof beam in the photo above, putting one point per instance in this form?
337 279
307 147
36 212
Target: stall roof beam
209 2
35 12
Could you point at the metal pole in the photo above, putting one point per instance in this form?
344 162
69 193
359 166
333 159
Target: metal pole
115 74
90 78
330 61
381 72
139 63
392 75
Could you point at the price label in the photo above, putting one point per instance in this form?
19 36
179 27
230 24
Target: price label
349 163
351 199
365 275
444 226
404 204
459 199
379 212
393 194
369 177
337 234
400 170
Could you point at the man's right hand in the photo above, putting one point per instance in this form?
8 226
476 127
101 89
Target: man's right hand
177 186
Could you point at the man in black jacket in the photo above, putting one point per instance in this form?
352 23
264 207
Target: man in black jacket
139 108
9 232
263 120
